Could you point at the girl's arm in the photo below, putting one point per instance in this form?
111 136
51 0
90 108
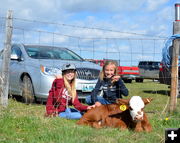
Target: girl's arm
78 105
95 92
55 93
61 103
123 88
49 104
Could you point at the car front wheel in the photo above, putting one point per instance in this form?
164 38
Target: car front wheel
27 90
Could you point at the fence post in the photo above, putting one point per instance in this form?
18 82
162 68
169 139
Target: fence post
175 61
6 60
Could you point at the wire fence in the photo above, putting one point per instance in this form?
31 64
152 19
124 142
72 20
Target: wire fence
89 43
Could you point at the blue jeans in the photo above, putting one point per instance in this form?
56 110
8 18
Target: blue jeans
99 98
70 113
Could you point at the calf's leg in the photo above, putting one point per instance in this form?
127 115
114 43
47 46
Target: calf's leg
115 123
138 127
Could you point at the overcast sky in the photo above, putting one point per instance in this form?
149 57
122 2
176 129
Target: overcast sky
128 18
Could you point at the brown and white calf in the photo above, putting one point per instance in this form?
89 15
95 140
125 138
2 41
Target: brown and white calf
133 118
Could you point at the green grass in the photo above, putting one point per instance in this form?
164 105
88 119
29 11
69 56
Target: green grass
20 123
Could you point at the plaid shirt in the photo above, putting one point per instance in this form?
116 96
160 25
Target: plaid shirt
58 99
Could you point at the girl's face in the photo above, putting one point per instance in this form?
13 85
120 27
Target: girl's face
69 75
109 70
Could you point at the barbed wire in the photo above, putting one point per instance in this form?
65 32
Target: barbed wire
91 28
90 38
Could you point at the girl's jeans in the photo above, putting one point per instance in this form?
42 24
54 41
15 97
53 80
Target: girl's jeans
99 98
70 113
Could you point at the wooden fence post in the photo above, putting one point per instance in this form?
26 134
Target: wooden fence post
6 60
175 61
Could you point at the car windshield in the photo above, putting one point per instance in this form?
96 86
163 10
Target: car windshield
38 52
149 64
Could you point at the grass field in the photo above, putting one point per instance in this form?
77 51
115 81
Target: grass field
21 123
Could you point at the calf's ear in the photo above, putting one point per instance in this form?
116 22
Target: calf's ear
122 101
147 100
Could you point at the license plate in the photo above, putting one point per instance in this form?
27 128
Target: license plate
87 87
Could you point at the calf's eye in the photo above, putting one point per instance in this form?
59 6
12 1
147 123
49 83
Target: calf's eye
130 108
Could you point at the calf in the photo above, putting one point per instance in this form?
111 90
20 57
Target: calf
134 118
96 117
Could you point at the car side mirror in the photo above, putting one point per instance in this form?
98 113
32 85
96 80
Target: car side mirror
16 57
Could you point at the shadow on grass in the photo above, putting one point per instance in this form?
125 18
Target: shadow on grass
162 92
43 102
19 99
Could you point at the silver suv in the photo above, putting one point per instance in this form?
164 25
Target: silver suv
33 69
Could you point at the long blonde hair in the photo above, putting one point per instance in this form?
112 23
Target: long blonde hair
71 87
111 62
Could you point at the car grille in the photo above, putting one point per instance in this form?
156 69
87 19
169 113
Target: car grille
87 73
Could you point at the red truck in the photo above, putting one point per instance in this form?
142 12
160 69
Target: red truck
127 73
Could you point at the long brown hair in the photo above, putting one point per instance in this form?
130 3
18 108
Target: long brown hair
102 75
71 87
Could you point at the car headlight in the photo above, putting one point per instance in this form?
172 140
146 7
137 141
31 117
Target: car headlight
52 71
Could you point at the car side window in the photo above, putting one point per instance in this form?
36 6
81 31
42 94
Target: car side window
140 64
66 56
144 65
16 51
156 65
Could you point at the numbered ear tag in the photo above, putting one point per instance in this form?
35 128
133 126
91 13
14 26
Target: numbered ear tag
122 107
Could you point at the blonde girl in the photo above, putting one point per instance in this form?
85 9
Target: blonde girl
63 94
109 85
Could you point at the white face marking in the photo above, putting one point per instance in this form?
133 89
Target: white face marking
136 103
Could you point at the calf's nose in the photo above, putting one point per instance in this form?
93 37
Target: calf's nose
138 118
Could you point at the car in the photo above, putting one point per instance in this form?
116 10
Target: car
33 69
148 70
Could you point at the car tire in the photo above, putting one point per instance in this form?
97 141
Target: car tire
27 90
127 80
139 80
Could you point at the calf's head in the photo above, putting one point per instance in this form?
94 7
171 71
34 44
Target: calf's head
136 105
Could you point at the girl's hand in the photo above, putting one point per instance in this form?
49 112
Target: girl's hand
115 78
97 104
90 107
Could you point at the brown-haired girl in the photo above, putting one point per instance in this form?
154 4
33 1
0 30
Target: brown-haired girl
109 85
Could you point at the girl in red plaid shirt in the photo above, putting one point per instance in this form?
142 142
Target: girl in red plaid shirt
63 94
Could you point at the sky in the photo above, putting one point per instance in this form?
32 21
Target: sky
126 30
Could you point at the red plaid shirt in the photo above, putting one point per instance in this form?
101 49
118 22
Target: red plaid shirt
58 97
